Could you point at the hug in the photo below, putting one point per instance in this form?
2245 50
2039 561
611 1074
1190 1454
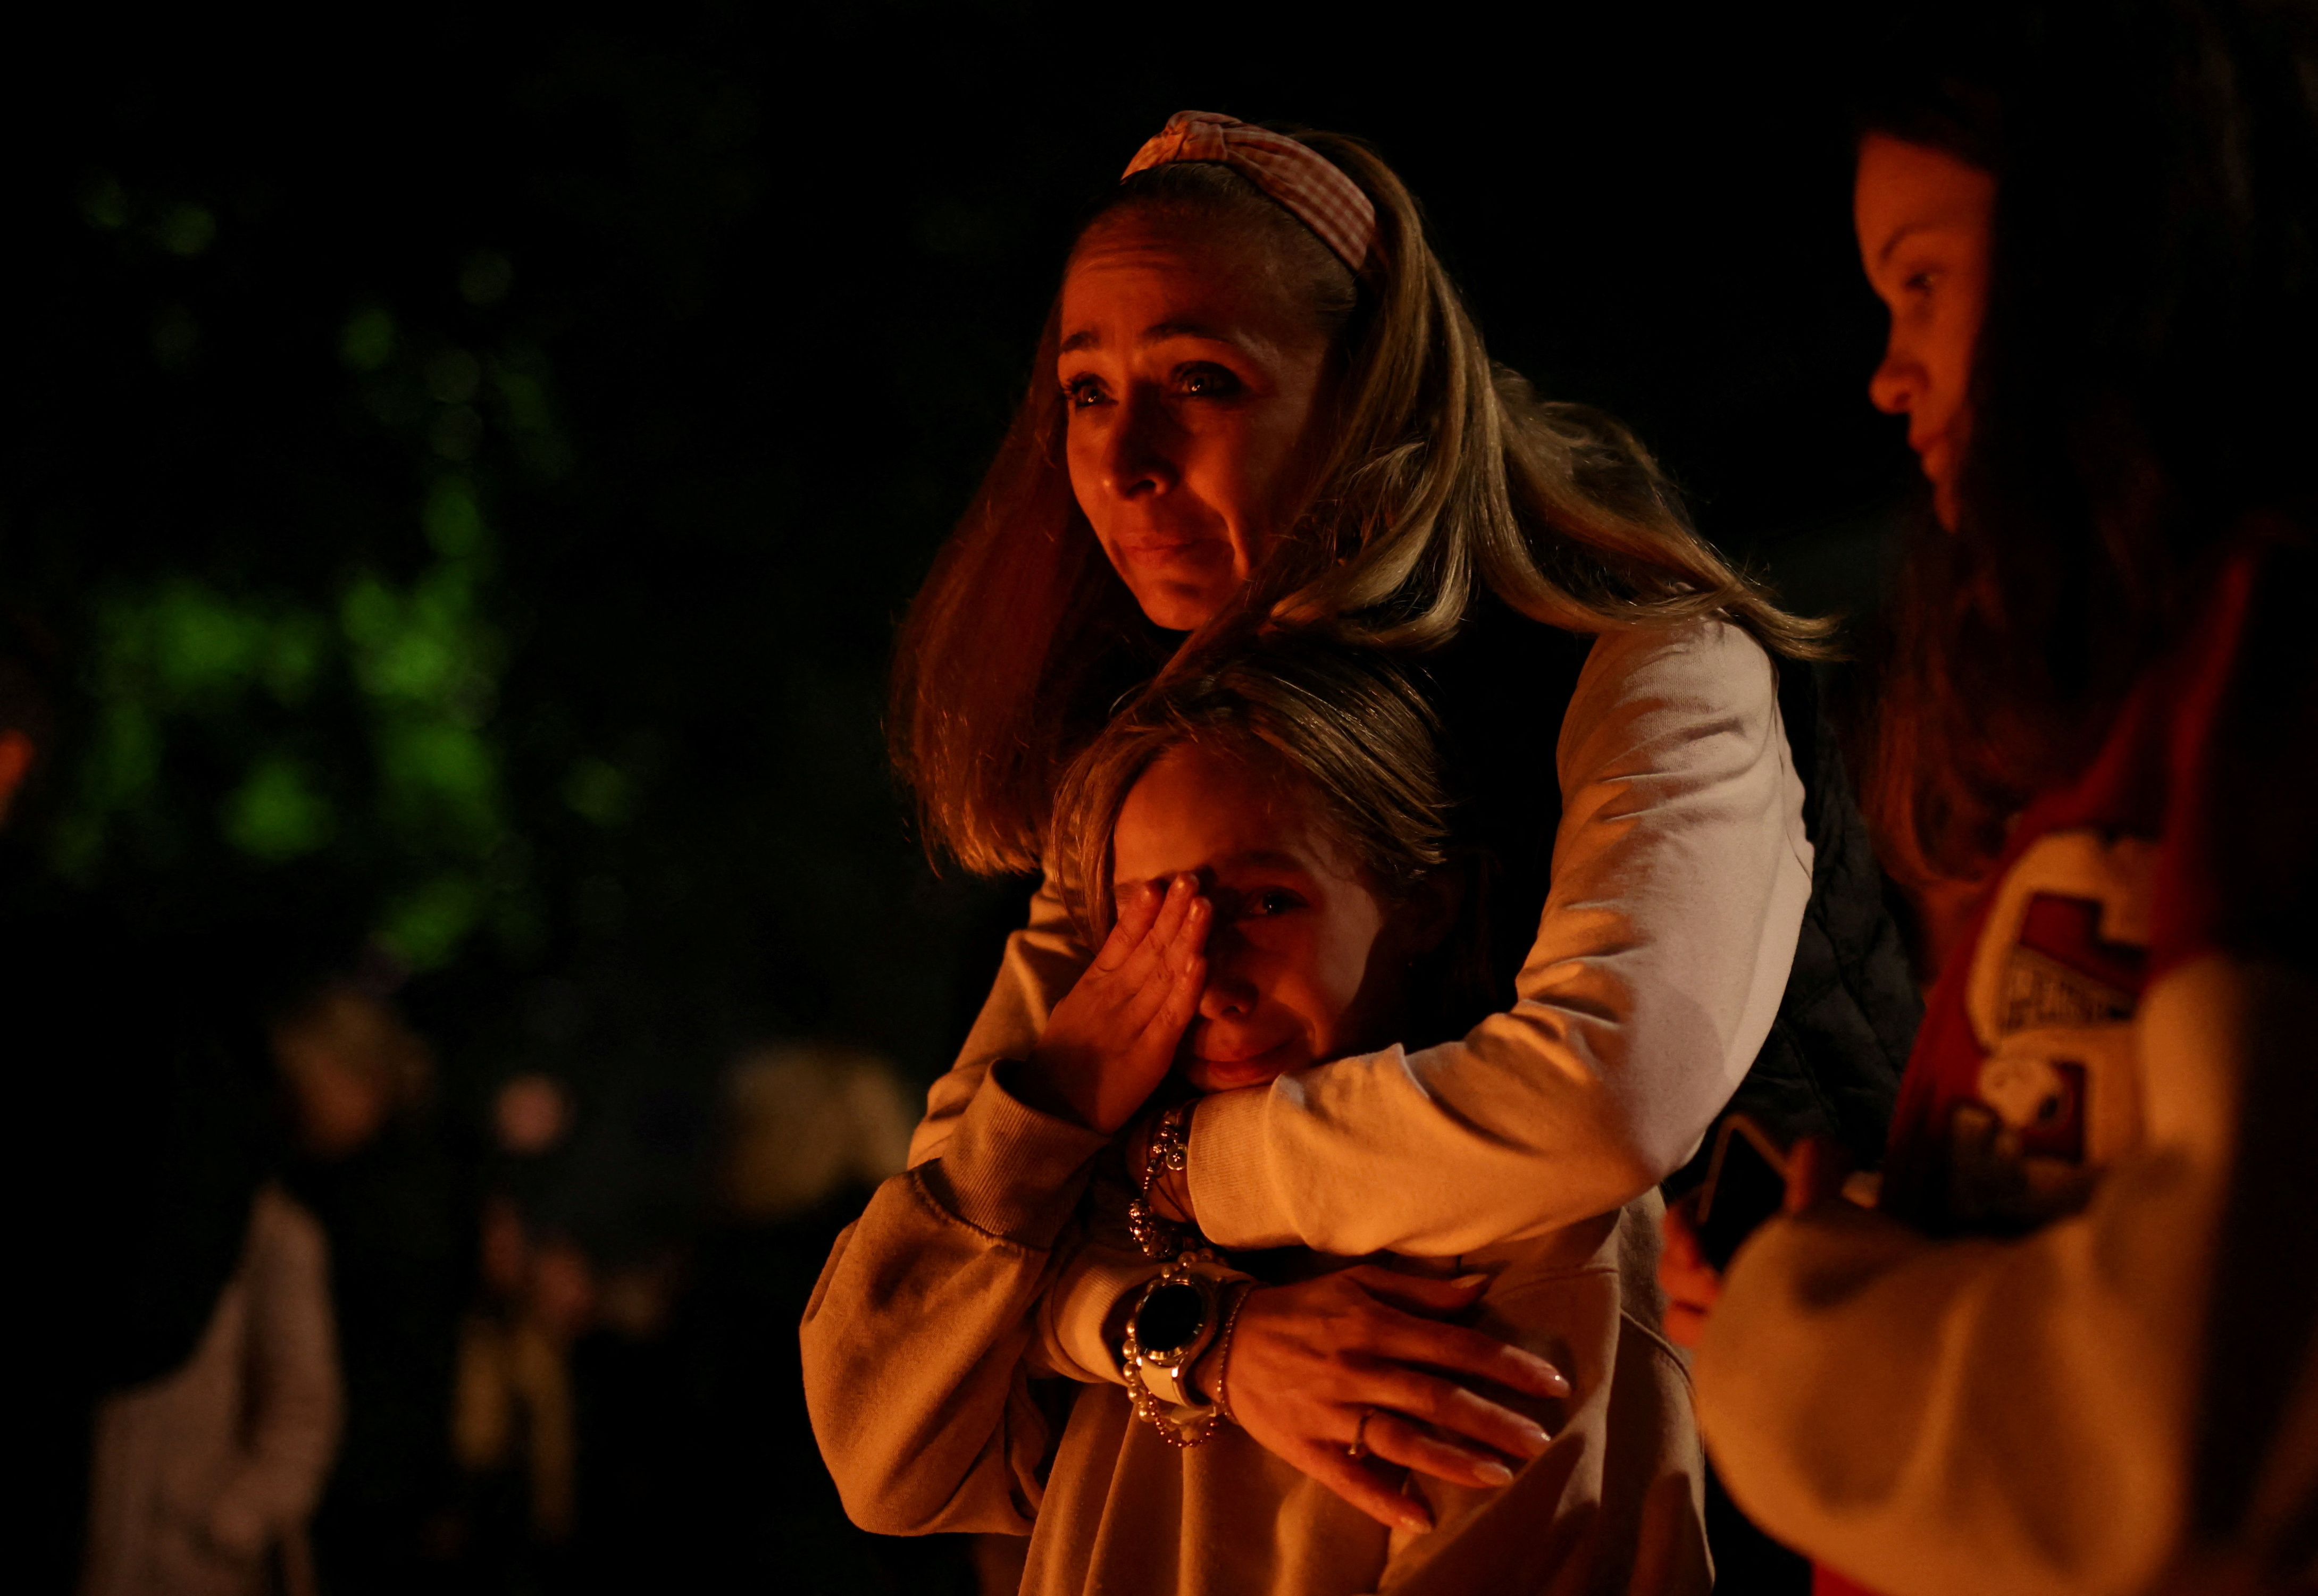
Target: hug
1438 839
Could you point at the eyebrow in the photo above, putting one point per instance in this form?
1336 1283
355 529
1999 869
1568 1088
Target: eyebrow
1884 256
1262 858
1156 332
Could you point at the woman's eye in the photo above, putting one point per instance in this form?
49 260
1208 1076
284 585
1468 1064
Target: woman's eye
1080 392
1204 381
1270 901
1920 282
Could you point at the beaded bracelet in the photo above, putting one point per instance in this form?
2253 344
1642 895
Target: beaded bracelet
1170 1150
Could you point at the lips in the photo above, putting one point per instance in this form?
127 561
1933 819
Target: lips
1218 1066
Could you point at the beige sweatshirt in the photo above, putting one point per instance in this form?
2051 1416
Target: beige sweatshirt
924 1343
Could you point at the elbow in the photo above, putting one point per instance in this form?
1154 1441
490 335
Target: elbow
884 1511
1633 1166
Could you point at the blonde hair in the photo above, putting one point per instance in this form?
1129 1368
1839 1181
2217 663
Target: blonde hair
1340 726
1447 476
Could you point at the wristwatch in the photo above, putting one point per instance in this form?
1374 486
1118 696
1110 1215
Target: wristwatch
1170 1324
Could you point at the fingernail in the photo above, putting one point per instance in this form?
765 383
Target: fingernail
1535 1438
1493 1474
1469 1282
1554 1379
1417 1522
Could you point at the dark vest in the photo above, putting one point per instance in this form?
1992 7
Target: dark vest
1832 1062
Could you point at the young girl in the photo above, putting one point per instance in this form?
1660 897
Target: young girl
1299 788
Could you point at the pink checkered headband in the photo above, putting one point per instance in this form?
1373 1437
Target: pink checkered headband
1312 188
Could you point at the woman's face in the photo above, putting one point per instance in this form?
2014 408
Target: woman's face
1192 377
1924 220
1304 963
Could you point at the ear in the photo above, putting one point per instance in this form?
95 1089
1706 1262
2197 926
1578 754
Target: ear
1429 913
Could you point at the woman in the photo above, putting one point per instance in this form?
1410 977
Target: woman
1260 392
1300 784
2074 1348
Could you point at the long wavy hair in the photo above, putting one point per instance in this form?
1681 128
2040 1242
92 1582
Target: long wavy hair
2140 392
1445 477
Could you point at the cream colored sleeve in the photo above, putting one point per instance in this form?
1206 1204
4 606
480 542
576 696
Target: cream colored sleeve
1995 1416
918 1342
1680 873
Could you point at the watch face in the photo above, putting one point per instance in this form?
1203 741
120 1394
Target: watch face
1169 1319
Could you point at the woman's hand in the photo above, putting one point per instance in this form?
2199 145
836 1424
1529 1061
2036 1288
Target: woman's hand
1816 1168
1307 1360
1110 1040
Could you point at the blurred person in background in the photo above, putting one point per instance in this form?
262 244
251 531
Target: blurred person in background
2075 1347
184 1396
807 1131
376 1164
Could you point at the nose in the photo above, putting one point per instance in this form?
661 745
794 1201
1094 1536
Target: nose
1228 994
1136 460
1898 384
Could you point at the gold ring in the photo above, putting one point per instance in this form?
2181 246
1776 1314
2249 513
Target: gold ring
1360 1447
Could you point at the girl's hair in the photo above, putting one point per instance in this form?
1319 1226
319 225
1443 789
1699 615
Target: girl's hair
1338 725
1446 476
2140 393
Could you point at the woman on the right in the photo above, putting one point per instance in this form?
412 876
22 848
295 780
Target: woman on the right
2074 1350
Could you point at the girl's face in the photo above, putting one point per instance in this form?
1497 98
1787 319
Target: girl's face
1924 225
1192 376
1304 963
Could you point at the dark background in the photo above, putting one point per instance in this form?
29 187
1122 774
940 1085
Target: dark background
472 467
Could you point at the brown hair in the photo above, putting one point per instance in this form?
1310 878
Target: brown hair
2138 398
1447 475
1340 725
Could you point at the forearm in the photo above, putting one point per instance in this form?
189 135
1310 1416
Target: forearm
915 1338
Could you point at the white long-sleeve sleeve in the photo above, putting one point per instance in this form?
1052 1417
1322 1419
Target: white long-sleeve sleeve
1680 873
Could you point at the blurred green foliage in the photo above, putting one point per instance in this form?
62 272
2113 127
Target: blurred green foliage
474 482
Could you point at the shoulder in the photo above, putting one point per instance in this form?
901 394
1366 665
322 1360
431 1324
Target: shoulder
1708 657
1693 671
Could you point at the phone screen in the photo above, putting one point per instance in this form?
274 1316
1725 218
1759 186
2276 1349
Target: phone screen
1746 1184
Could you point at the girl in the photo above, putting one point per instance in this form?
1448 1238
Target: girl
1299 790
1261 394
2073 1350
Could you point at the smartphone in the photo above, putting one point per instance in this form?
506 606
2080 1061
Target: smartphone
1746 1184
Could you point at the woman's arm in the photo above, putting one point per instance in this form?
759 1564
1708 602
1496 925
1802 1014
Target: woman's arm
2018 1415
1680 873
914 1338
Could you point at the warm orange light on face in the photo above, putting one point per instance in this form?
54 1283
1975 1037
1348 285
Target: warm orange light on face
1924 218
1192 380
1304 963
